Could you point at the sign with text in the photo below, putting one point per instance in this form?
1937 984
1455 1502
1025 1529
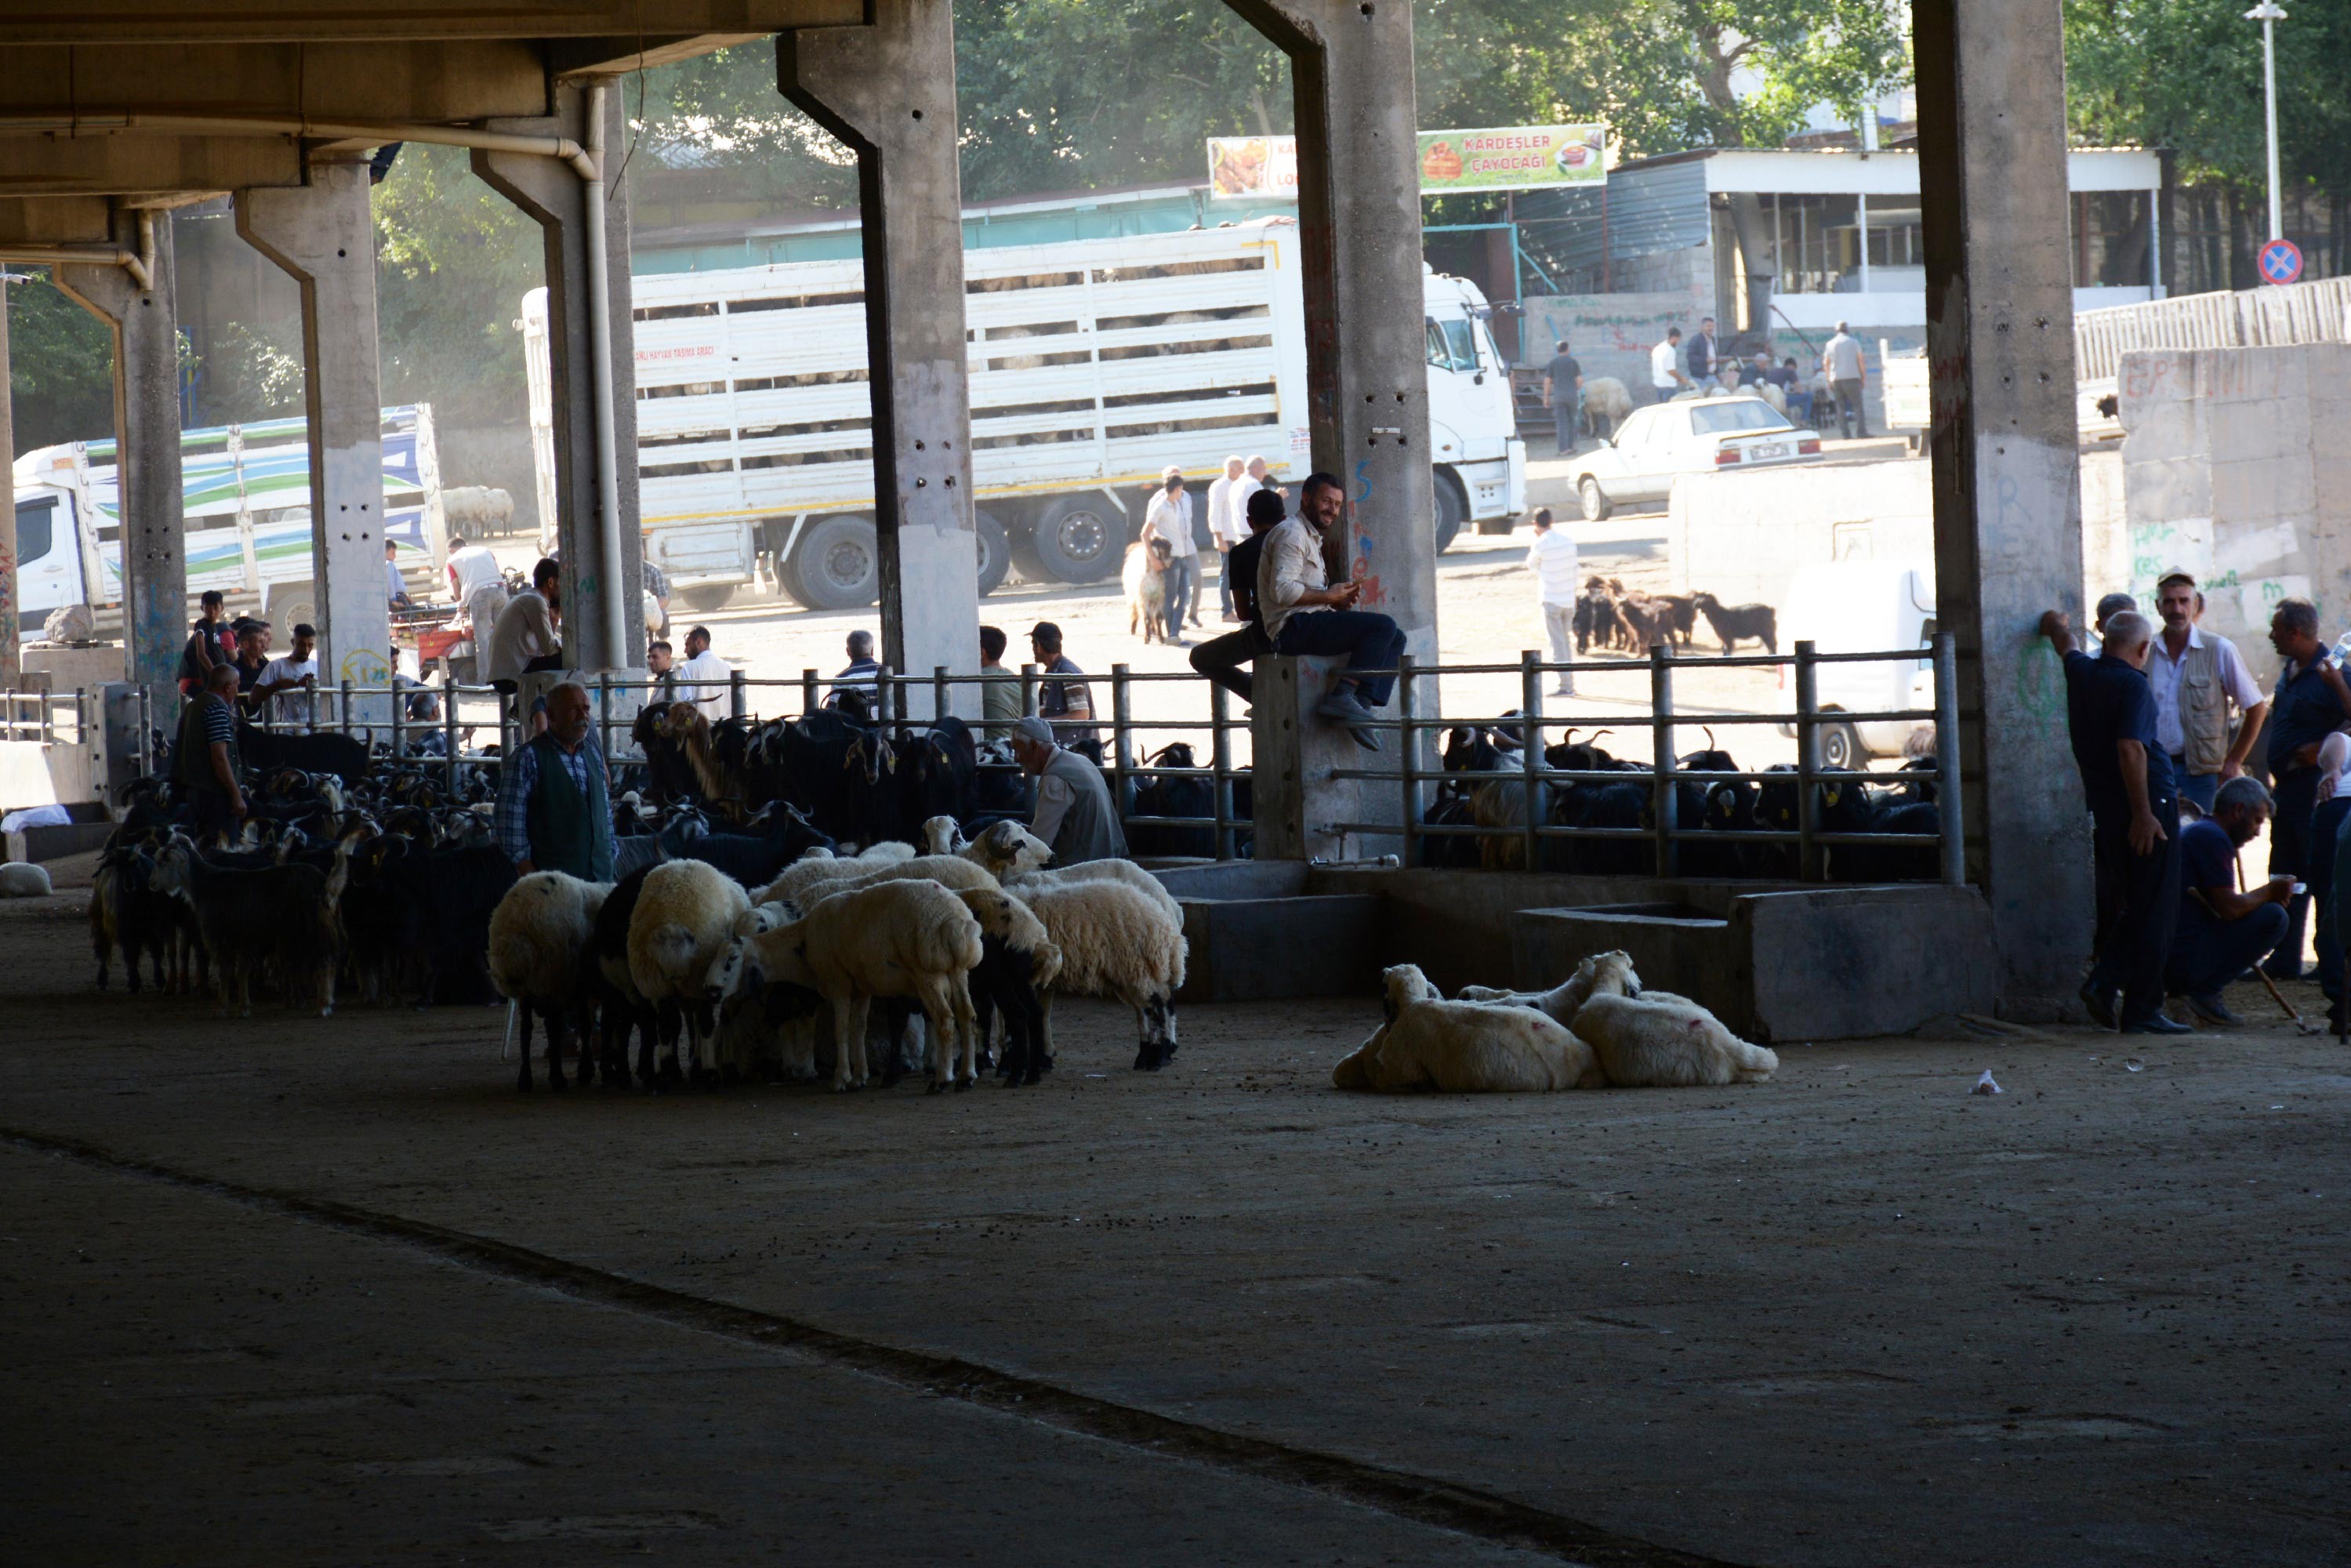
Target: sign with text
1508 158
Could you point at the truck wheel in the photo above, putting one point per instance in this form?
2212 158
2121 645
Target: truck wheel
1840 746
1451 509
710 595
292 604
1595 504
838 565
1078 539
994 552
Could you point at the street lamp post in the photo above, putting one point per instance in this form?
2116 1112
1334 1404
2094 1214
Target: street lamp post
2269 14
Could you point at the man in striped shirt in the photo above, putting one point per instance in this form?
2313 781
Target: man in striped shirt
203 758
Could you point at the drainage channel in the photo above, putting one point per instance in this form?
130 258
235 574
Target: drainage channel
1421 1499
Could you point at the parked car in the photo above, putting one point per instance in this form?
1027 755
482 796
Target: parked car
1705 436
1865 607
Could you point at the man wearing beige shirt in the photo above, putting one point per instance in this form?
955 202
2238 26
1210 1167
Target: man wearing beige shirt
1305 614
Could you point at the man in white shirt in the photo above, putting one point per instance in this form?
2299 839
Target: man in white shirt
2197 676
1665 377
1847 373
1551 558
1227 493
1305 614
290 683
705 679
1170 518
471 569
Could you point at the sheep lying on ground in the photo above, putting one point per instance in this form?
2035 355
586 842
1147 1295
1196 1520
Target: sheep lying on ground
1607 974
23 879
1660 1040
542 954
684 916
892 939
1114 941
1429 1042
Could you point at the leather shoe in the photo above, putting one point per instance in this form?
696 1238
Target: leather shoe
1369 739
2156 1024
2211 1009
2100 1003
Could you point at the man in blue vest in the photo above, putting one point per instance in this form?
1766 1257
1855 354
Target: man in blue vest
553 812
2310 704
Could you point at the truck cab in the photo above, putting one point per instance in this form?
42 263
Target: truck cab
1480 465
1857 607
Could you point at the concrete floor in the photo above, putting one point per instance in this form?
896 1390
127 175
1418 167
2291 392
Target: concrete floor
294 1291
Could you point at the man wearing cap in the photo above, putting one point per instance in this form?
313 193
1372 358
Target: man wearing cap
1075 811
2196 677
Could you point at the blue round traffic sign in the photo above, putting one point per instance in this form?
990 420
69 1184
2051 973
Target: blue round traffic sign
2281 261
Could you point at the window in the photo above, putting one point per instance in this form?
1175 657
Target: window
36 528
1641 427
1461 341
2110 239
1738 414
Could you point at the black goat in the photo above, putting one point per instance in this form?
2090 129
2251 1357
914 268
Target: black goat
280 916
1163 796
266 752
1733 623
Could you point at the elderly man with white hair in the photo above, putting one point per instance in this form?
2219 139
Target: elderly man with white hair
1075 813
2135 815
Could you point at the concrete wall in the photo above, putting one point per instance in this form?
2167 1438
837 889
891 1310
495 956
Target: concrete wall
2237 468
1611 334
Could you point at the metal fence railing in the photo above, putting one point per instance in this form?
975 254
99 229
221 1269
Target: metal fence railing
51 717
453 728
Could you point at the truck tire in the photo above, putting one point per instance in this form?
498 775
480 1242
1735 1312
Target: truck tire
1841 746
838 565
1078 539
994 552
1452 509
709 596
291 604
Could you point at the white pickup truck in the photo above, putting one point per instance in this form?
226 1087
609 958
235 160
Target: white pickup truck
245 491
1094 364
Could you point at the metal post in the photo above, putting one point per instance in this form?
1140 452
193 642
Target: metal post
449 722
1530 748
808 693
146 730
1029 689
2269 14
938 692
604 721
1220 785
1954 843
1408 751
344 719
1661 704
1121 729
399 717
1808 854
884 710
739 696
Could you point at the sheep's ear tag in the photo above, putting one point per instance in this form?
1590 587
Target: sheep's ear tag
1835 791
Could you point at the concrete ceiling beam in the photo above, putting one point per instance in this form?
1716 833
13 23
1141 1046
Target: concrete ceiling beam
408 81
330 21
55 220
145 166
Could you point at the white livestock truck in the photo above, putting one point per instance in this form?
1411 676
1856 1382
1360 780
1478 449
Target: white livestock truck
1094 364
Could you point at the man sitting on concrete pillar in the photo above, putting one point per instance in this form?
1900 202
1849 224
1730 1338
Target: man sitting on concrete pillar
1075 813
2223 931
1305 614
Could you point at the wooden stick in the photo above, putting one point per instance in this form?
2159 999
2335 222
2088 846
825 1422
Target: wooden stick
2270 984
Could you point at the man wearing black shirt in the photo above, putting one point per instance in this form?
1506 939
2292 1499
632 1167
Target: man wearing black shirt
1221 658
2135 813
1700 354
1564 391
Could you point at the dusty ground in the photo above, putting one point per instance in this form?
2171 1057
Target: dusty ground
292 1290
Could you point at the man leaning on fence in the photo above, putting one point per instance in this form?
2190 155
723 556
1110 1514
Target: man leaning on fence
553 812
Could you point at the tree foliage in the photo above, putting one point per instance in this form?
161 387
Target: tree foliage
61 366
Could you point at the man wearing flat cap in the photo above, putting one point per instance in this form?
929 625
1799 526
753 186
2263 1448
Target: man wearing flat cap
1075 813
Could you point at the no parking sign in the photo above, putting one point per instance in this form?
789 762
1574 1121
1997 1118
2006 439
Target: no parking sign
2281 261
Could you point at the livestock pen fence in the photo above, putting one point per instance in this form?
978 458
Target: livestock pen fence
1185 706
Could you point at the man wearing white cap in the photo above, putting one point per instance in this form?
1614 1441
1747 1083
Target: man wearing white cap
1074 811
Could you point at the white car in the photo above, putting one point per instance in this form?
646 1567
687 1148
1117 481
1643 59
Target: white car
1704 435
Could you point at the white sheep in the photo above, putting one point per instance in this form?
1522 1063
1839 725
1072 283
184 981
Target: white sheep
1018 858
1005 849
1660 1040
820 870
1608 974
1770 393
24 879
542 958
1604 397
952 871
941 835
1429 1042
894 939
1114 941
684 916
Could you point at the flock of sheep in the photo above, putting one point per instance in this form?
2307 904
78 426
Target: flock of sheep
956 935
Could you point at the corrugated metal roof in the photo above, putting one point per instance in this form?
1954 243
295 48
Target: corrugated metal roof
1656 207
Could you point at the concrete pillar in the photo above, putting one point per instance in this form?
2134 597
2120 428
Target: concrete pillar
12 670
322 234
2008 525
1366 365
887 89
145 324
550 195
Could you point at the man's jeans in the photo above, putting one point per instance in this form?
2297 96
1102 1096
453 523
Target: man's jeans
2291 825
2197 786
1221 658
1559 622
1182 581
1853 418
1372 642
1224 580
2207 956
1563 420
2325 877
